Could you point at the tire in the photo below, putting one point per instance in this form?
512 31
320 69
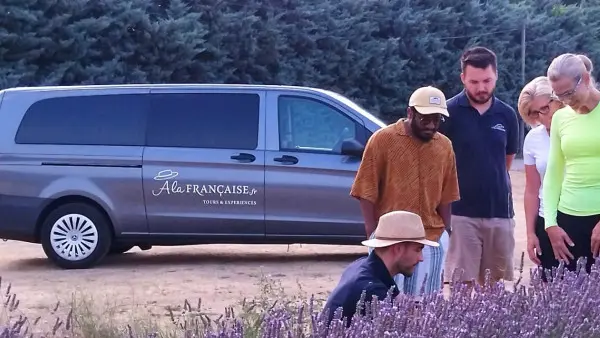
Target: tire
76 220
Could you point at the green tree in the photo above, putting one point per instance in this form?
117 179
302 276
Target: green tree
375 52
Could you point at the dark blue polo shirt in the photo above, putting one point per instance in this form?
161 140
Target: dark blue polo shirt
366 273
481 143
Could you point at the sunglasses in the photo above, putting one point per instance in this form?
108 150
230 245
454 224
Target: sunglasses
426 119
544 110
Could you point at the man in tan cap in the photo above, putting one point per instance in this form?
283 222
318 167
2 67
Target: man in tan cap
397 245
409 166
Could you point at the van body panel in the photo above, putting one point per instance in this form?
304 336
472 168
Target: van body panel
19 217
204 191
310 198
186 163
111 176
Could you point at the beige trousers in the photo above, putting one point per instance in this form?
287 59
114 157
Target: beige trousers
477 244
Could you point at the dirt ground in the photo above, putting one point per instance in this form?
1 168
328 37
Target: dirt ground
165 276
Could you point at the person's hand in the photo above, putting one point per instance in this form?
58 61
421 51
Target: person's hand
533 248
559 240
596 241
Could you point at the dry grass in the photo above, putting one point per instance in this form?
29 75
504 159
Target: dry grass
490 310
87 317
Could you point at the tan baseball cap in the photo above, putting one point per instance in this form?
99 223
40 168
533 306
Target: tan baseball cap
429 100
397 227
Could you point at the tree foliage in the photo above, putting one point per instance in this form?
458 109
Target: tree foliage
374 51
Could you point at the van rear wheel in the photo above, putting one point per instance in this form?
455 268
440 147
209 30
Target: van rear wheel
76 236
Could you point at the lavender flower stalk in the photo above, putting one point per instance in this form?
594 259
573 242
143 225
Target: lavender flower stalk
567 306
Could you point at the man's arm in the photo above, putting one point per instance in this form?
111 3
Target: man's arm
366 184
371 291
509 161
368 211
450 190
445 212
381 292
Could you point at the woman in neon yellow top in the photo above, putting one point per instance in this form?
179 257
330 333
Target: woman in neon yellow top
572 181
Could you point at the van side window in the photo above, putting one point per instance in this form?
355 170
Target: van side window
204 120
110 120
309 125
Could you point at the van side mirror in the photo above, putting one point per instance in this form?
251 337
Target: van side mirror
352 147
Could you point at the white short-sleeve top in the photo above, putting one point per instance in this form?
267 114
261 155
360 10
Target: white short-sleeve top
535 152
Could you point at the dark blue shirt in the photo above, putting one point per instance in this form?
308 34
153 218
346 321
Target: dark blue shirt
481 143
367 273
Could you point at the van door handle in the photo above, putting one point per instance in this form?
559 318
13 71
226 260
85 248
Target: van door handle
244 157
286 159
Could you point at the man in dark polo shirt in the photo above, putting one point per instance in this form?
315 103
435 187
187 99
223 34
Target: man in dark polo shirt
398 242
485 137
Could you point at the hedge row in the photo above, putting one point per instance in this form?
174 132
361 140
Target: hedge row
375 51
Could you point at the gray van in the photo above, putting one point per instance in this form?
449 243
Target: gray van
94 170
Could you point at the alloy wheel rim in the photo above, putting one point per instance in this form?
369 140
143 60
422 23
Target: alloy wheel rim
74 237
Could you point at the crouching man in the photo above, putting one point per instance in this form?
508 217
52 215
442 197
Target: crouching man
397 245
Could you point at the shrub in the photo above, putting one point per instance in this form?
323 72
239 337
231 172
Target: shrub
375 52
566 306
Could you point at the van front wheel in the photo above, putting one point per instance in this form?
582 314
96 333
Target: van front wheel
76 236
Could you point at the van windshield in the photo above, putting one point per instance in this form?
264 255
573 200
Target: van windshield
358 108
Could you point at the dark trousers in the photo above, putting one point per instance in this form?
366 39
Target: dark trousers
547 257
579 229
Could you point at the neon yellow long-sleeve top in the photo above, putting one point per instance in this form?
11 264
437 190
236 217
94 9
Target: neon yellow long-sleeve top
572 179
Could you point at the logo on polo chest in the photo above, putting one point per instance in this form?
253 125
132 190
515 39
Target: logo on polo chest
499 126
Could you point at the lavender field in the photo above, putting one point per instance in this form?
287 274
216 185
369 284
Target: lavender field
148 290
565 307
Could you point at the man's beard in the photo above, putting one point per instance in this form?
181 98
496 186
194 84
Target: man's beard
417 132
480 101
405 270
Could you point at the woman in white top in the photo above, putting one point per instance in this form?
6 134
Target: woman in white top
536 106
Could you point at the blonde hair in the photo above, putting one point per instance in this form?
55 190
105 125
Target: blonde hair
570 65
537 87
